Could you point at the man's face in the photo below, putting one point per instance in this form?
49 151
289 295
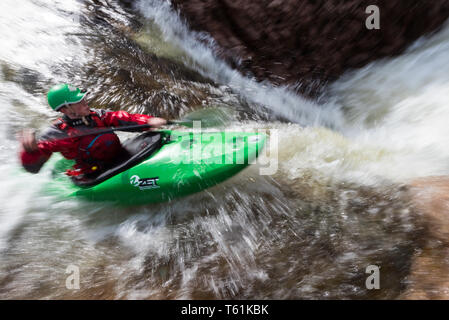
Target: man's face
76 110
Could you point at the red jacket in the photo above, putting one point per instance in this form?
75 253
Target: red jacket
90 152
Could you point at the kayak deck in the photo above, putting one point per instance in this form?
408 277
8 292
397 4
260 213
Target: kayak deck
185 163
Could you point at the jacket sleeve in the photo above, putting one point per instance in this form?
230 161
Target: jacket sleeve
123 118
49 142
33 161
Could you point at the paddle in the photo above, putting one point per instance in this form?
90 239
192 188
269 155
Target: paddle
211 117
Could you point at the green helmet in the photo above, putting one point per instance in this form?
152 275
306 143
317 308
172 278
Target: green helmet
63 95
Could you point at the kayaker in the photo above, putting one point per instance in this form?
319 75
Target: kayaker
92 153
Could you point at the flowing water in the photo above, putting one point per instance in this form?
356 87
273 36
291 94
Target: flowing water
335 205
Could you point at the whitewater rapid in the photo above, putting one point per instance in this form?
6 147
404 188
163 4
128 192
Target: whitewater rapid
386 120
333 206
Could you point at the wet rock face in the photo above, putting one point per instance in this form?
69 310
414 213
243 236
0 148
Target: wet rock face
308 43
429 278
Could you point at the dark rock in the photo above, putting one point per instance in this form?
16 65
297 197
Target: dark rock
306 41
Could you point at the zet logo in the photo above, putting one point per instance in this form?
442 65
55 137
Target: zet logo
144 183
134 180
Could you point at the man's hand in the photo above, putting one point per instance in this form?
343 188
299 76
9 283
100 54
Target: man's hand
156 122
28 139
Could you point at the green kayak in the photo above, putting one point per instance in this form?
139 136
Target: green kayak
164 165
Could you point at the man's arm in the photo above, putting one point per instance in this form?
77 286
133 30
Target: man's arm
123 118
32 156
35 153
